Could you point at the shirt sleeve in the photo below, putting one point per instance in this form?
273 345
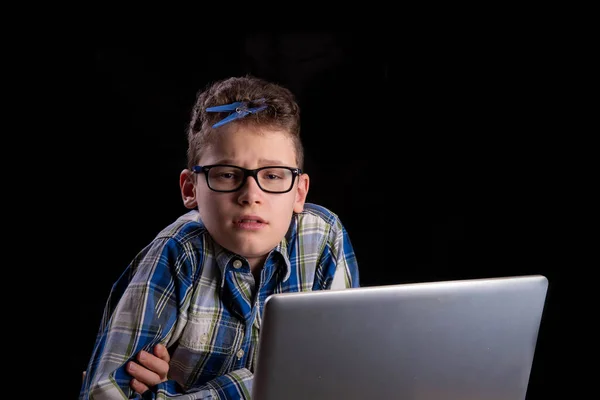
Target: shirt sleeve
235 385
144 307
339 264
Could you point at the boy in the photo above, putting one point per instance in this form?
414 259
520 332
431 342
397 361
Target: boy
199 287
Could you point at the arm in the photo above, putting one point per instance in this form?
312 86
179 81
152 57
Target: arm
338 261
235 385
144 307
346 270
150 375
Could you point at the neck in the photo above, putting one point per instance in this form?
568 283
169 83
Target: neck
256 266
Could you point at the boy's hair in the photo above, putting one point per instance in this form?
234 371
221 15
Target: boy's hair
282 112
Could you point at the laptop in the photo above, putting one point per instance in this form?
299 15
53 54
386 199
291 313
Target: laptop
460 339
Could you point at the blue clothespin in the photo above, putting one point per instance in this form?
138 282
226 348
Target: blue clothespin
240 110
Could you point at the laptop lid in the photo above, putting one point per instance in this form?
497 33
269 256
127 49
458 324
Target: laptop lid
461 339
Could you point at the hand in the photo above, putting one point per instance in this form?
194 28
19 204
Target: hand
149 370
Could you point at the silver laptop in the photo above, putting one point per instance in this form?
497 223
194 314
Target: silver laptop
461 339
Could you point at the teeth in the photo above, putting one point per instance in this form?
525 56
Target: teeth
249 220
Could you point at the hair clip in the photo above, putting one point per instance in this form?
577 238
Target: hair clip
240 110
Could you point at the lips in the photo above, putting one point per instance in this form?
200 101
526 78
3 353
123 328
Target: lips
250 219
250 223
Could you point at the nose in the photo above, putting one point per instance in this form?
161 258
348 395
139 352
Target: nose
250 192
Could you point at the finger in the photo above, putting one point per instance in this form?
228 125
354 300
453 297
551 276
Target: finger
142 374
138 386
161 352
154 364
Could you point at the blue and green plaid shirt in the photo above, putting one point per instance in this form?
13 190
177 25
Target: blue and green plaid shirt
201 301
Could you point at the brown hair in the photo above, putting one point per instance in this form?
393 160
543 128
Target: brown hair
282 112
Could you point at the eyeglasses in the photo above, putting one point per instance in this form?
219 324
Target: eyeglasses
229 178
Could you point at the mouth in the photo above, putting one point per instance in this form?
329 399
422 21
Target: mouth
250 222
250 218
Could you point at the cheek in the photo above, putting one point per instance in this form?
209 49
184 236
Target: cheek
285 211
210 208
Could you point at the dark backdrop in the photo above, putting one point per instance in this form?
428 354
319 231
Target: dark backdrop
422 147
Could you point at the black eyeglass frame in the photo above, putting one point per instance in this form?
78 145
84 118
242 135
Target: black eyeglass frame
197 169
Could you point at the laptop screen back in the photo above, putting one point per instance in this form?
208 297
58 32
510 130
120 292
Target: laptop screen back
463 339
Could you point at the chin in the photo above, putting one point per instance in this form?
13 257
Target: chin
251 250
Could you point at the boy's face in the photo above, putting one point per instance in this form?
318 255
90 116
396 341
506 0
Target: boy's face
249 222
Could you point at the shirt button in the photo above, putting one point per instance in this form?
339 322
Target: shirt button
240 353
237 264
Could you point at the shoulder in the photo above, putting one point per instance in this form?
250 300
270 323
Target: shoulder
184 229
174 253
314 213
316 223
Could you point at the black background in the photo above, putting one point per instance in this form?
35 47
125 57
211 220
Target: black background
434 153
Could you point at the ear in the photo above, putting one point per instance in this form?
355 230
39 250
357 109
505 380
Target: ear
301 192
188 188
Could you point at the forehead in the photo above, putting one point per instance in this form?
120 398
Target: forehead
248 144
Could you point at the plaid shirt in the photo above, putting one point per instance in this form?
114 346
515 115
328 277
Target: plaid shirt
185 291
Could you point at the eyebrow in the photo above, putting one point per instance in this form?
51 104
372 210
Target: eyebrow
261 161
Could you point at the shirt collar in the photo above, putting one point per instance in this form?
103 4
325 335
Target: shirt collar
223 257
282 250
